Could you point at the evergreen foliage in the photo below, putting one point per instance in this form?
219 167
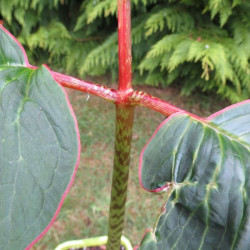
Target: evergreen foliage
202 45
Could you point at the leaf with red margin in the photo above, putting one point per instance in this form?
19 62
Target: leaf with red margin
39 147
204 165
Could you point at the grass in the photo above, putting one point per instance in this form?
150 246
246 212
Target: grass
85 210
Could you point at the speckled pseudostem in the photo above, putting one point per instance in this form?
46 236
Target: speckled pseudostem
124 124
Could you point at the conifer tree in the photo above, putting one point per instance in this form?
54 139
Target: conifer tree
199 45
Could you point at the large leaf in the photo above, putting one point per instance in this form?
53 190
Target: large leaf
39 147
204 165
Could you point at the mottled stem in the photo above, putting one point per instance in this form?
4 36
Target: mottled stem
124 124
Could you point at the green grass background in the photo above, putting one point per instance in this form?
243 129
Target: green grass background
85 210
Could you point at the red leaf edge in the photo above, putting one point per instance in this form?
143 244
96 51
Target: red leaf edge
146 231
20 45
74 173
208 119
78 137
144 148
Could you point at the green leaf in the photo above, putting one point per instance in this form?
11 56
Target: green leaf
204 165
39 147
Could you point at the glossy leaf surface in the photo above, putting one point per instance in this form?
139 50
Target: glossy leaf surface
205 166
39 147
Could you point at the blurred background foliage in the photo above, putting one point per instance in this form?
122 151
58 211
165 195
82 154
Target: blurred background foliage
196 45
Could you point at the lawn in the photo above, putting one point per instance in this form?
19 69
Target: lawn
85 210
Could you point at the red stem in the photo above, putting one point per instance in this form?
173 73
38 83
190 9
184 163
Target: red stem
124 42
128 97
125 94
144 99
91 88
